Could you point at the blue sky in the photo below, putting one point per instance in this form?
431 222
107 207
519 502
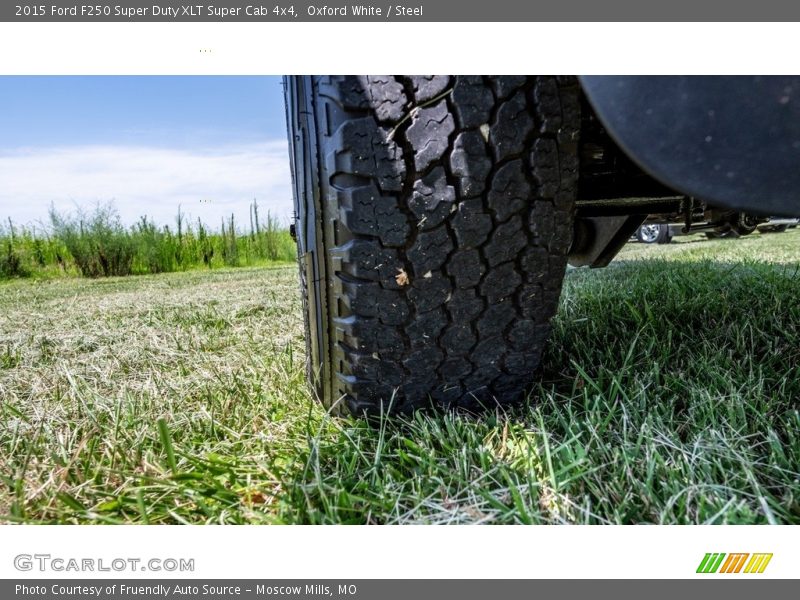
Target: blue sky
149 144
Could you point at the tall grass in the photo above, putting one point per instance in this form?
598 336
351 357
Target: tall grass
28 250
10 261
98 244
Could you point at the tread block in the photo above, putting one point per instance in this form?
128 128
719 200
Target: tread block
429 134
490 351
370 336
365 149
447 395
367 259
513 123
505 85
529 299
521 363
507 241
466 268
425 329
428 87
521 333
366 396
510 191
432 200
544 167
535 264
501 282
470 163
473 101
548 105
428 293
430 251
511 388
455 368
477 384
464 306
541 223
459 338
423 360
368 299
383 95
364 211
495 318
471 224
372 367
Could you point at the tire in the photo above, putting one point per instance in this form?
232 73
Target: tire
745 224
654 233
434 218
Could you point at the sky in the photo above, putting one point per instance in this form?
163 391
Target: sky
209 145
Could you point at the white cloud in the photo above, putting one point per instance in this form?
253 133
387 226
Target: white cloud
207 183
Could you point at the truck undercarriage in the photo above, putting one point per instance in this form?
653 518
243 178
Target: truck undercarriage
615 197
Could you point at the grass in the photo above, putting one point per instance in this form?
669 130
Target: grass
96 244
669 394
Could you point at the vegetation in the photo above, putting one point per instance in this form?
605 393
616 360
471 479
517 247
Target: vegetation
97 244
668 395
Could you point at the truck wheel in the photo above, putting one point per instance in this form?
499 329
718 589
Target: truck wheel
745 224
434 218
654 233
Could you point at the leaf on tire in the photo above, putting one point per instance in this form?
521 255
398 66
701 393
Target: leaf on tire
402 277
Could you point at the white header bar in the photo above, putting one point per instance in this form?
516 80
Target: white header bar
452 48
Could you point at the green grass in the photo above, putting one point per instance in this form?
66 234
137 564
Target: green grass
96 244
669 394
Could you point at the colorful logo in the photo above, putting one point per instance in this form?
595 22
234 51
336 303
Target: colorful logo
719 562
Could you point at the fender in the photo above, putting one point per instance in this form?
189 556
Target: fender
733 141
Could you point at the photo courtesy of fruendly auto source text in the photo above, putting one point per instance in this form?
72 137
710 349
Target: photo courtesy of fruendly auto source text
482 334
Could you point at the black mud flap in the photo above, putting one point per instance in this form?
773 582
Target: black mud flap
731 141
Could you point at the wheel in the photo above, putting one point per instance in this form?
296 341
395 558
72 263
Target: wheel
654 233
434 217
744 224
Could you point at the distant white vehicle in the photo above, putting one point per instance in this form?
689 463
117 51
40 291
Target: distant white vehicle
778 225
662 233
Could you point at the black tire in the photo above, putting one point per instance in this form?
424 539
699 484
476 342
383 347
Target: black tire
434 217
745 224
654 233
